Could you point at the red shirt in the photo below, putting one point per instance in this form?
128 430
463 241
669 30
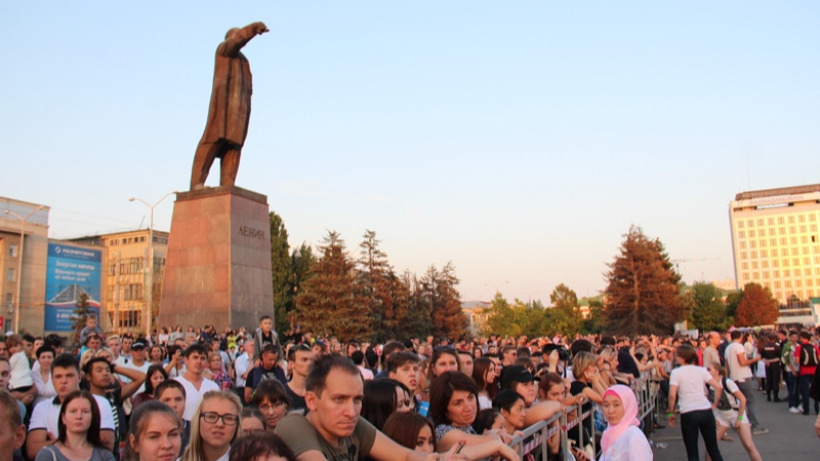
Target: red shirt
804 369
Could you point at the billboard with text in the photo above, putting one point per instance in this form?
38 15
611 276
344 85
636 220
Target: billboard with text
71 271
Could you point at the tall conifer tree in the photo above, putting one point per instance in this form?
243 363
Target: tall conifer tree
643 294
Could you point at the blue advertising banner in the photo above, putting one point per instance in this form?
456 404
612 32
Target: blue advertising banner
71 271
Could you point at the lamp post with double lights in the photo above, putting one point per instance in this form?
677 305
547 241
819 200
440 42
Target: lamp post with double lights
150 262
23 220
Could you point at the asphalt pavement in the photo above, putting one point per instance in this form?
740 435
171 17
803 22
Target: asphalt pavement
791 437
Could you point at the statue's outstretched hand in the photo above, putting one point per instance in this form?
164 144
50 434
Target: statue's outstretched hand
260 28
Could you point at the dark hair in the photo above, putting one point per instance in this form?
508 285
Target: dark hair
44 349
264 317
805 335
271 390
548 380
580 345
506 399
93 435
437 353
12 414
316 377
195 347
404 429
90 364
157 346
297 348
149 387
269 348
389 349
137 424
485 419
357 357
399 359
379 401
260 444
167 384
480 367
441 391
253 412
65 361
736 334
688 353
27 337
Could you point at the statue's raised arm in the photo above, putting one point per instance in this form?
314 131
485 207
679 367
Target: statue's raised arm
230 109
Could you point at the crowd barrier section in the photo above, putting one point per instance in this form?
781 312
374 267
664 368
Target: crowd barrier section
533 439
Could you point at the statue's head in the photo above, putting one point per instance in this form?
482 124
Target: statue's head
231 32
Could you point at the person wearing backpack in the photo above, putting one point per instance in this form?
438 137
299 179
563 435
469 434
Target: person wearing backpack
806 355
730 410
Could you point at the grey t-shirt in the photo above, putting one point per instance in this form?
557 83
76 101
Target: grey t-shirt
302 437
52 453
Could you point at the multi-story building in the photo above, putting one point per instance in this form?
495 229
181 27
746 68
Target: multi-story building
775 240
22 266
126 275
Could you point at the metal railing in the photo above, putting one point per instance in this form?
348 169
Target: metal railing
533 439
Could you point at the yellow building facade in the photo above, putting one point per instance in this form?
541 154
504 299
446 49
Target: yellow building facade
126 275
775 240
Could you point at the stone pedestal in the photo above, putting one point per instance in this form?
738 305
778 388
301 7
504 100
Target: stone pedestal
218 268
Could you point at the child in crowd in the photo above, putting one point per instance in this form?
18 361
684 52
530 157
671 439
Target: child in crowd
91 327
20 380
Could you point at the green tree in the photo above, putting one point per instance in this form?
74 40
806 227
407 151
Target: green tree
565 312
327 304
594 324
419 319
642 295
373 286
281 271
757 307
500 318
732 301
78 317
448 319
708 310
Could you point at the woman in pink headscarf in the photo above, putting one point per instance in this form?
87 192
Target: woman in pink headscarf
622 439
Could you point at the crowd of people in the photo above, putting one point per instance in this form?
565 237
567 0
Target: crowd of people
204 395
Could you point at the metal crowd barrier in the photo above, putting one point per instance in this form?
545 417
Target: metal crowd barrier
533 439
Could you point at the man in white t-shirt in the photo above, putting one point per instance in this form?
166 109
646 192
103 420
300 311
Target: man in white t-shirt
244 364
194 380
740 371
42 429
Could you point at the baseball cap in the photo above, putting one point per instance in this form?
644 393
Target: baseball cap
516 373
139 344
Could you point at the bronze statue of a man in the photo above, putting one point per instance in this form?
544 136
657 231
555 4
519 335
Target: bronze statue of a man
230 108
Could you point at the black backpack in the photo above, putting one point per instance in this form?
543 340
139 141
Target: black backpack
723 403
808 355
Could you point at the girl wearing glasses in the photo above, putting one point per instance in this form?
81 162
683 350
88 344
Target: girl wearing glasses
214 426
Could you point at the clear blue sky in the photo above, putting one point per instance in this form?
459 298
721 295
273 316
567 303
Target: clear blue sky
518 140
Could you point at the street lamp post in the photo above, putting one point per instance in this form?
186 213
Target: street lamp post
23 219
150 262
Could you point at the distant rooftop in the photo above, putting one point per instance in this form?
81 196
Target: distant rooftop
779 191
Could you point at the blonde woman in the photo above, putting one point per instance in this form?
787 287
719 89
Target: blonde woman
215 425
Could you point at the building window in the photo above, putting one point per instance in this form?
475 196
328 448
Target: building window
772 232
756 275
10 275
754 265
770 221
751 233
744 266
797 272
764 264
765 274
741 234
13 250
9 299
791 219
801 218
743 255
742 245
754 254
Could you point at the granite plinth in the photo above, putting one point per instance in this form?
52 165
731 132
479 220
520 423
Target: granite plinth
218 268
